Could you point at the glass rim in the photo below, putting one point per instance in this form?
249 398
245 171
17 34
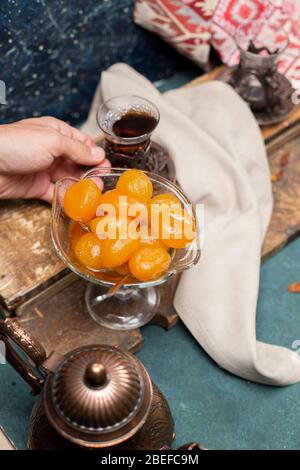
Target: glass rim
129 140
252 54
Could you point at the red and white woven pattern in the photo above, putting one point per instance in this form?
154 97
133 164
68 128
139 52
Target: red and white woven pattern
191 26
185 24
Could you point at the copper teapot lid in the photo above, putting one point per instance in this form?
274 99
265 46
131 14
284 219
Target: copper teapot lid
99 396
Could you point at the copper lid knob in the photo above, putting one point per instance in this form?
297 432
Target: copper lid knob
98 396
95 375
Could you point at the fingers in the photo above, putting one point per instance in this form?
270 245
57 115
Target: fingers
35 186
67 141
49 150
47 196
41 188
74 144
67 130
63 167
40 185
61 127
77 151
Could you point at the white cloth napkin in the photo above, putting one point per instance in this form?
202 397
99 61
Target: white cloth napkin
220 161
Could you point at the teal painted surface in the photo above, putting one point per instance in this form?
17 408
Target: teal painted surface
216 408
208 404
177 80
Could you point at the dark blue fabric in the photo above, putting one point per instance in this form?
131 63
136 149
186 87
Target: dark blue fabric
53 51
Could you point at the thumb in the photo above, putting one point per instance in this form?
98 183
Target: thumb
79 152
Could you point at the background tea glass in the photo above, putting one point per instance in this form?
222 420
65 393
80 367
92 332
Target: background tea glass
256 77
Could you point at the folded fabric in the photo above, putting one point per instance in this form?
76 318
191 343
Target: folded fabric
221 162
191 26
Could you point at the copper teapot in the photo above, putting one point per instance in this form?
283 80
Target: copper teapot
96 396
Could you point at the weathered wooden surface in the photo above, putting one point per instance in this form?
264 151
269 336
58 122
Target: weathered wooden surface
284 159
59 319
28 260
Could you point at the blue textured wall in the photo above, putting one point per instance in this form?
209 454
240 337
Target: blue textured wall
52 53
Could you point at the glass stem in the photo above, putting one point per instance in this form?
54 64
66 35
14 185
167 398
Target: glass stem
121 294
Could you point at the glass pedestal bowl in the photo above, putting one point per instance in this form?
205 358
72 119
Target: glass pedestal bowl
112 300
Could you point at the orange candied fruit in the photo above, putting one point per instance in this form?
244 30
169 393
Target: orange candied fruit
117 252
106 233
150 240
160 207
75 232
136 184
149 263
110 198
88 251
81 200
165 200
179 231
113 228
113 203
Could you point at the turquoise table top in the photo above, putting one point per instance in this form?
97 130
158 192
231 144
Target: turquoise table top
208 404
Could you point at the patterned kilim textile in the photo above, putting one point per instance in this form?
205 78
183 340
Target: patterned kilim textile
193 26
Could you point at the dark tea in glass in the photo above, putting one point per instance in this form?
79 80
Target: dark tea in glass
128 123
134 124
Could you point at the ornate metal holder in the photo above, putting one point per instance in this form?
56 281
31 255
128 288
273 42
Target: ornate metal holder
256 78
155 160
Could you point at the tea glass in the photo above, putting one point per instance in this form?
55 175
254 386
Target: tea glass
256 77
131 151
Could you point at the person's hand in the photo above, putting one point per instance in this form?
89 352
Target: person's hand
34 153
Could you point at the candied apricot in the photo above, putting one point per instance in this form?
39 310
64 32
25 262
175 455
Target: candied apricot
136 184
149 263
117 252
179 231
150 240
75 232
113 228
110 197
160 208
165 200
88 251
113 203
81 200
94 223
